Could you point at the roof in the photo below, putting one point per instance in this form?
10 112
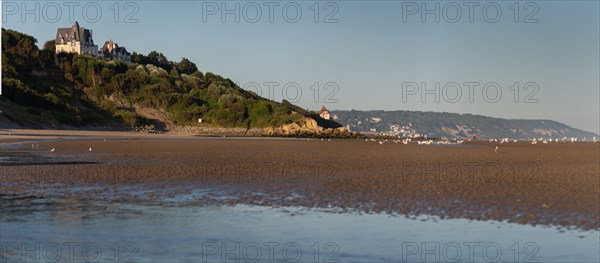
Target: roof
110 46
323 109
74 33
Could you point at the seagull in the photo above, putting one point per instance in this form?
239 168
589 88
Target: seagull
496 150
104 139
380 142
52 150
90 149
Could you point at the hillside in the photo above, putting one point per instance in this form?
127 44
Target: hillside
453 125
41 89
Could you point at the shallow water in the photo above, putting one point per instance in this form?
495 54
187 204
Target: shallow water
19 154
40 229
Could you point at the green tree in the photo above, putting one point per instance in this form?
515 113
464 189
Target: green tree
185 66
139 58
21 51
50 45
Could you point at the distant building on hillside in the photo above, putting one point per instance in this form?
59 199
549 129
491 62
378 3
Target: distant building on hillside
76 40
324 113
111 50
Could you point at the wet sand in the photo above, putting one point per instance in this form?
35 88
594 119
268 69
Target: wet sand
550 184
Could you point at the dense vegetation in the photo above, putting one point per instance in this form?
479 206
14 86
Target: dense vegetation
41 89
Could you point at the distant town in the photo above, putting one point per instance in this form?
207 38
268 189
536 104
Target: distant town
394 129
79 40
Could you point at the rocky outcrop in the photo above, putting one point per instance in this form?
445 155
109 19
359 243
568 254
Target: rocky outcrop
218 131
309 127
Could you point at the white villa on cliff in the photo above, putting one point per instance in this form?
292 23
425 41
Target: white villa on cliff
78 40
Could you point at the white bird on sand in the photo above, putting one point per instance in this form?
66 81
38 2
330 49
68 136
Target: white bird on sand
380 142
496 150
90 149
104 139
52 150
534 141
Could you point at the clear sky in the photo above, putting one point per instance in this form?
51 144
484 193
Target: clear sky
366 54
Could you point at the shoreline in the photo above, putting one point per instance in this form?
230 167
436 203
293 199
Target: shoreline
17 135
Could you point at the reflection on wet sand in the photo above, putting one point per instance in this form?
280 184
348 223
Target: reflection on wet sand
175 233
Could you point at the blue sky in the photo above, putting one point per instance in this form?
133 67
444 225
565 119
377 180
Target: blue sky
369 52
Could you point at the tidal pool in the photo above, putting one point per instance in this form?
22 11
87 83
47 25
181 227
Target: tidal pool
65 230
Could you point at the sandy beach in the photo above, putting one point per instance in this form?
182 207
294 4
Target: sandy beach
550 184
